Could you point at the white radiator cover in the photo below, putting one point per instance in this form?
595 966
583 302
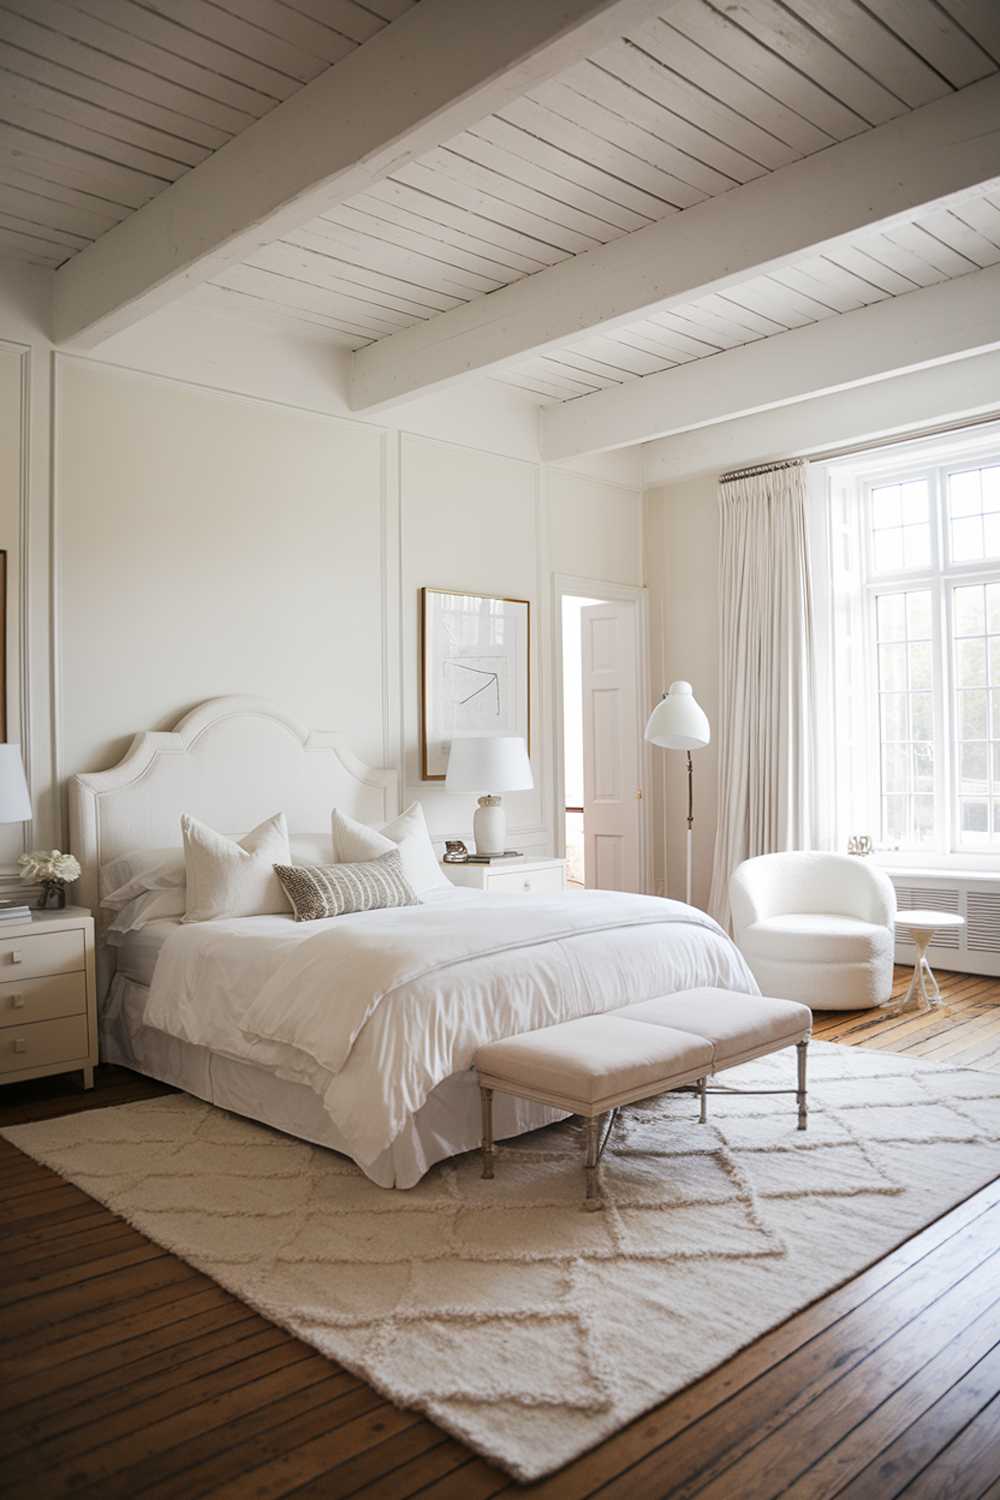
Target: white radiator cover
975 948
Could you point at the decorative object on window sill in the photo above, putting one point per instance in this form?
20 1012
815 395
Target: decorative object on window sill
54 871
678 722
455 852
860 843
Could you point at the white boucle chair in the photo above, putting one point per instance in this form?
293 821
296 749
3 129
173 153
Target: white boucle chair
816 927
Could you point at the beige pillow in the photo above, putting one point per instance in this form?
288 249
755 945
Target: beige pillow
234 877
354 842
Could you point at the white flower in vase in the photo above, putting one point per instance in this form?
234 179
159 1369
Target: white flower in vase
54 870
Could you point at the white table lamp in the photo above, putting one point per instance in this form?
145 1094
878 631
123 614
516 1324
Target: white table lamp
485 765
678 722
15 803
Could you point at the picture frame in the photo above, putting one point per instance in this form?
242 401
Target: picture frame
475 671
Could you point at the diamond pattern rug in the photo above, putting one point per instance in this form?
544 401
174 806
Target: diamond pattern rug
519 1322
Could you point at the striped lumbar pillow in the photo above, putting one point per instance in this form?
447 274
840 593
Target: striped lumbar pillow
317 891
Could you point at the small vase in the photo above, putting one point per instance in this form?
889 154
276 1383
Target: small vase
53 897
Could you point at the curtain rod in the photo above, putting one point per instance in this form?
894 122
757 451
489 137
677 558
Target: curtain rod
787 463
894 440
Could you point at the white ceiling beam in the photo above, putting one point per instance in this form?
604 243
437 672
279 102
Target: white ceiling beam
439 68
939 151
864 415
948 321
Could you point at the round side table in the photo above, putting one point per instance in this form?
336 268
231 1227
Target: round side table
923 992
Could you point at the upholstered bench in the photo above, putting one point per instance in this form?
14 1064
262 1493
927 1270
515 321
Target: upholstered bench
597 1064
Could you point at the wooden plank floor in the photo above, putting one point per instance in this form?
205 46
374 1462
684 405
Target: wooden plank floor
124 1373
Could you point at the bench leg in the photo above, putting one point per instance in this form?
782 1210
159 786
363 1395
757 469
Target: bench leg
486 1096
593 1137
703 1100
802 1048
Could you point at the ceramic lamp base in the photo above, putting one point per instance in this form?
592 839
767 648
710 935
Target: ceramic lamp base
489 826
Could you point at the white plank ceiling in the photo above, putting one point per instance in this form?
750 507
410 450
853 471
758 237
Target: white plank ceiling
104 103
671 115
864 268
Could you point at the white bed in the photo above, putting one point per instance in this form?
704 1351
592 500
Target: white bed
355 1033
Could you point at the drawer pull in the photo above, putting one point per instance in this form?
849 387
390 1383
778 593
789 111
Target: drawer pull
15 955
17 1002
20 1045
527 885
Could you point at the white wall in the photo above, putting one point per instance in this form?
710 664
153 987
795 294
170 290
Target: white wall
209 544
219 528
595 527
12 522
682 532
472 521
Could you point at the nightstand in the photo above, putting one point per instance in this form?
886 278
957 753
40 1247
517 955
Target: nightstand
542 877
48 996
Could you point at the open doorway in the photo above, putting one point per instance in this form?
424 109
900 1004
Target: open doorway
601 671
572 641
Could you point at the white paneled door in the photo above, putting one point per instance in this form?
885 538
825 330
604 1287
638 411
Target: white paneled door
611 745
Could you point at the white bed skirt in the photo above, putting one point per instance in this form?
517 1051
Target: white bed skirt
447 1124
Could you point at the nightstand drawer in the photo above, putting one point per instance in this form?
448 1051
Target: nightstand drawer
41 953
540 882
30 1000
43 1043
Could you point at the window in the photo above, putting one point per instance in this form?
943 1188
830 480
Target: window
915 563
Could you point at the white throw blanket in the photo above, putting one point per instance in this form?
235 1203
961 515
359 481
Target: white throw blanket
374 1011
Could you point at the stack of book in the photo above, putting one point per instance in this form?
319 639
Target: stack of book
14 911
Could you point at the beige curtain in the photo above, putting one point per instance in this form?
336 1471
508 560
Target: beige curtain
767 715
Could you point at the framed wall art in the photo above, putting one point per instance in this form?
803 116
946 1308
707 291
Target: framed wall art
475 671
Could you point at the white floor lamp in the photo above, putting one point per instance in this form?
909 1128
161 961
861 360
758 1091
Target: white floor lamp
678 722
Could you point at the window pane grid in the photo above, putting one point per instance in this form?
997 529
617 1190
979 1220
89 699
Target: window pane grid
932 560
900 527
973 506
905 677
976 656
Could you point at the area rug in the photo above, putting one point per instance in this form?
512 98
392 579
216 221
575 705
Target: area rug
514 1319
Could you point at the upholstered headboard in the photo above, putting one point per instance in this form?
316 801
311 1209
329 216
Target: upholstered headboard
231 762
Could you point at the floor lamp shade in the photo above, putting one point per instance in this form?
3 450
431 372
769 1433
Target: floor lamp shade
486 765
15 803
678 722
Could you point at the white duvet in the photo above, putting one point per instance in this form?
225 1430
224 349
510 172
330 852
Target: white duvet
373 1011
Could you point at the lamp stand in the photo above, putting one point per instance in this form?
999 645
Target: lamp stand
690 827
489 826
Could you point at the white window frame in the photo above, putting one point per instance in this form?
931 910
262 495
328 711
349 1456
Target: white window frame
856 797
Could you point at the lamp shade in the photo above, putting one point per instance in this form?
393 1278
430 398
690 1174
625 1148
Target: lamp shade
678 722
15 804
489 763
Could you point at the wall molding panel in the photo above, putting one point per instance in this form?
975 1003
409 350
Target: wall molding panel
107 452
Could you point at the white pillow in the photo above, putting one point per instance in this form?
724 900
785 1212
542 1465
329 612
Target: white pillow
151 906
132 875
355 842
226 878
